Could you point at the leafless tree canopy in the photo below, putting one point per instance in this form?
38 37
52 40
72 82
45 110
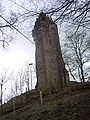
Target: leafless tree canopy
74 11
77 55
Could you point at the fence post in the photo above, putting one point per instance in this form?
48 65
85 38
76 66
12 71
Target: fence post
41 97
14 112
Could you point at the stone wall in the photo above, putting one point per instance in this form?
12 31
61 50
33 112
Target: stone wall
49 62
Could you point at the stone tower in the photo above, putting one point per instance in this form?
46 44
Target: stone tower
50 68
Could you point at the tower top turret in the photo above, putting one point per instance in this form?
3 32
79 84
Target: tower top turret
42 16
43 20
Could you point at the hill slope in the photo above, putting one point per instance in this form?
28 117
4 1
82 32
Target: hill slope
71 104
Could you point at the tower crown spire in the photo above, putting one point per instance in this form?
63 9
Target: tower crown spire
42 16
43 20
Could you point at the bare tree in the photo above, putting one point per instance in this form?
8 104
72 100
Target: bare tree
27 80
18 83
30 76
14 87
4 77
6 29
21 79
77 55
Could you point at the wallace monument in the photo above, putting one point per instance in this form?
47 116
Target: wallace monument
50 67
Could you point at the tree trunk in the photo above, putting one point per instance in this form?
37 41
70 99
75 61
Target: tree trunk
82 73
1 98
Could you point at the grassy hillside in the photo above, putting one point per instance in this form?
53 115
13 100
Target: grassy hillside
71 104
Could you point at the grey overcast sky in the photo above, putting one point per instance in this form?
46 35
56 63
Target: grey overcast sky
21 50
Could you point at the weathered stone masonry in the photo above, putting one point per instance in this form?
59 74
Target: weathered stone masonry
50 68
